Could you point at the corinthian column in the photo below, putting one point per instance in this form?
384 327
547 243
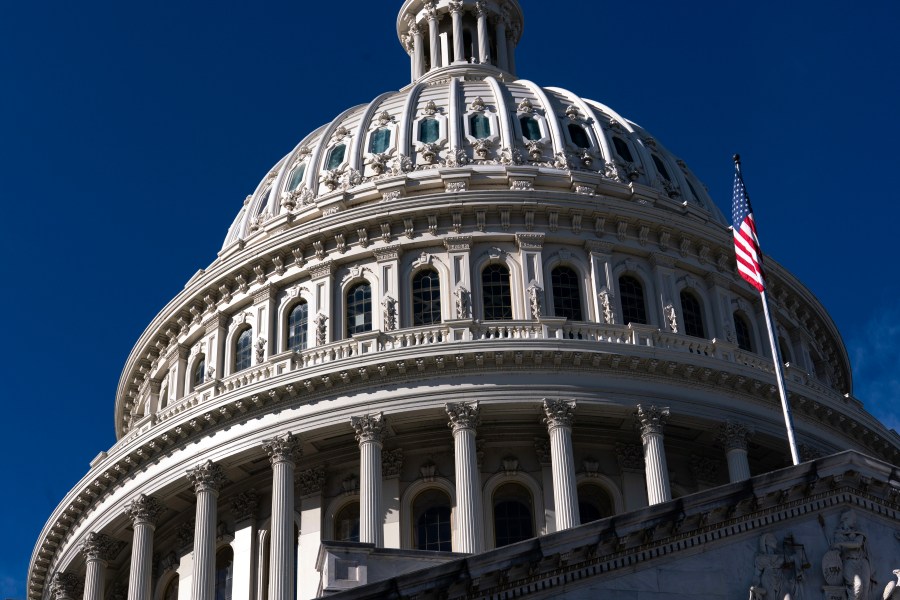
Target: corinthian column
734 437
144 511
432 16
97 549
415 32
559 417
370 434
483 45
63 586
652 420
283 451
207 480
456 16
470 519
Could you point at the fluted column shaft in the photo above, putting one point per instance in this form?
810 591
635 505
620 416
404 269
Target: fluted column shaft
144 511
93 578
369 434
433 40
483 45
469 510
282 451
458 39
207 480
559 417
418 49
652 420
502 53
734 436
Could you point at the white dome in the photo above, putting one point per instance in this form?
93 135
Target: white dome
571 142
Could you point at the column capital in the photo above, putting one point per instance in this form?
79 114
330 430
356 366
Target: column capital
559 413
431 10
481 8
734 435
456 6
651 419
463 415
311 481
282 448
64 586
244 505
99 546
144 509
369 428
206 477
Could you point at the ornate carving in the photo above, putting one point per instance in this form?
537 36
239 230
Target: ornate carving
321 329
535 292
777 574
391 463
429 152
457 157
478 103
559 413
456 186
206 477
734 435
456 6
463 415
98 546
705 469
463 302
389 308
311 481
144 509
651 419
64 586
369 428
535 150
671 316
282 448
609 315
184 536
542 450
849 545
260 350
244 505
630 457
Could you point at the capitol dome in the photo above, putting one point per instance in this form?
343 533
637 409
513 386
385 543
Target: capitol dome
469 314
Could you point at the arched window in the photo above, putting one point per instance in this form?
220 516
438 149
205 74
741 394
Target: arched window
346 523
263 201
297 327
431 511
622 149
359 309
661 168
579 136
199 375
224 573
566 294
594 503
480 126
531 129
380 140
513 520
336 157
296 177
243 350
693 315
426 296
742 332
496 293
429 131
634 309
171 592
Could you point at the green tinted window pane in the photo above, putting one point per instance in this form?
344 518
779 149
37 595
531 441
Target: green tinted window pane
429 131
381 139
296 177
579 136
336 157
481 126
531 129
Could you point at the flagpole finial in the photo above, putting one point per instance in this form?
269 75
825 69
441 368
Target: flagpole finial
737 159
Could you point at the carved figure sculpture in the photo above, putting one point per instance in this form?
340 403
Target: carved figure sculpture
851 543
463 303
892 589
777 574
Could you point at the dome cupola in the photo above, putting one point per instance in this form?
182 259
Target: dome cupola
442 35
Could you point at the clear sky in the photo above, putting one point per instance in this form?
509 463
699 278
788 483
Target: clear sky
131 132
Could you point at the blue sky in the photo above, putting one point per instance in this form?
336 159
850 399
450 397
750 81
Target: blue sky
131 133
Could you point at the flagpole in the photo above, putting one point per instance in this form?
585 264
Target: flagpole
776 353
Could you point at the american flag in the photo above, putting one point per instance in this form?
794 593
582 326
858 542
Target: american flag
746 245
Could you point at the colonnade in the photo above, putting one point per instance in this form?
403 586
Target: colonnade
208 478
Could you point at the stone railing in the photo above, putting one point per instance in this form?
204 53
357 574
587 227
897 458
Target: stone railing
463 331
